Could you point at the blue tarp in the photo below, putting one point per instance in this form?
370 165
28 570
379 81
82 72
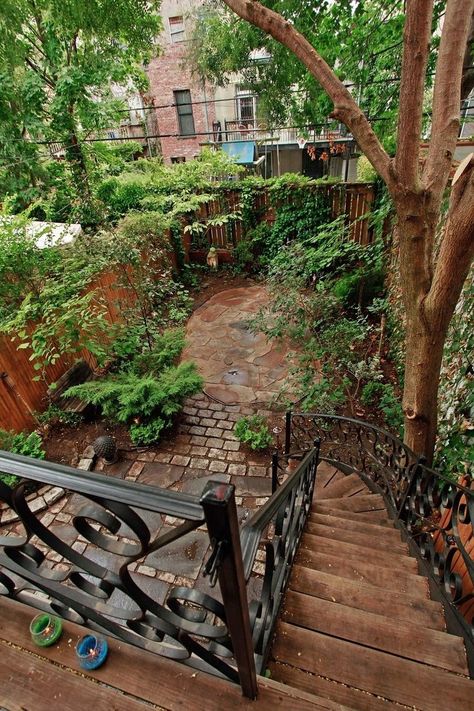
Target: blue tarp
242 152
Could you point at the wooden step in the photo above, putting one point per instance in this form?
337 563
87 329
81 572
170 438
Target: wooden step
363 571
364 540
397 606
386 558
377 530
346 487
375 517
29 682
326 474
341 693
358 504
379 673
427 646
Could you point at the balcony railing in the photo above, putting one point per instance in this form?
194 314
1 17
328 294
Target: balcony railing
255 130
225 633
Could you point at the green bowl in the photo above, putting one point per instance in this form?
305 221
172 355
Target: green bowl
45 629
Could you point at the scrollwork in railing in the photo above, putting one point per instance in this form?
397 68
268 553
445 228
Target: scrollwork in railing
103 591
381 459
436 512
276 531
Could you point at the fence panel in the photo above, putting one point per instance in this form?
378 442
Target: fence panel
352 199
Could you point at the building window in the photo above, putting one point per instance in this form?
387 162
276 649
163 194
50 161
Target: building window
184 108
177 29
246 106
178 159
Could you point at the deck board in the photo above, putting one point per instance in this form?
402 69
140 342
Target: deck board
138 674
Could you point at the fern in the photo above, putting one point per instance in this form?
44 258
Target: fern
128 396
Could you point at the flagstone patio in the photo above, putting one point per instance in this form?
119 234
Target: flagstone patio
238 366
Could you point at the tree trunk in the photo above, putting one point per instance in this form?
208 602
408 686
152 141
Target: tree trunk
424 352
78 165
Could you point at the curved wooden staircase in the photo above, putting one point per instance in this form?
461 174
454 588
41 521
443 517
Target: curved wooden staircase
357 628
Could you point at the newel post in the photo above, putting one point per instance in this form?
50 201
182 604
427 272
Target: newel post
218 502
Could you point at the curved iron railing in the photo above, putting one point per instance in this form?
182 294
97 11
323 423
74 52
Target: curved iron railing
120 521
435 512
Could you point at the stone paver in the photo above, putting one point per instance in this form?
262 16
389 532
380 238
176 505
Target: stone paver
238 366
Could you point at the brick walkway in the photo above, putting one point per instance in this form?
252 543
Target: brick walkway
242 372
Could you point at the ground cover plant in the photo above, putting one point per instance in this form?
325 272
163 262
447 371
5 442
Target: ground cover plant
146 390
254 432
27 444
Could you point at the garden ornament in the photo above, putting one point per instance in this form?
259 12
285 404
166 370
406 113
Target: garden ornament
105 446
212 258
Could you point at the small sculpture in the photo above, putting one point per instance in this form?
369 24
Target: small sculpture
212 258
106 447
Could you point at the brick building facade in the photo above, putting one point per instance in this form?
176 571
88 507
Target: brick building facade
184 106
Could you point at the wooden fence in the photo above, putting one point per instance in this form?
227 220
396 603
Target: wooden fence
352 199
20 395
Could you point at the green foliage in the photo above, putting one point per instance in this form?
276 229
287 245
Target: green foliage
143 435
147 391
382 396
361 40
27 444
58 62
127 396
254 432
365 172
166 349
56 415
360 287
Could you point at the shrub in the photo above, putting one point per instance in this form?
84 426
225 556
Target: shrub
382 396
27 444
254 432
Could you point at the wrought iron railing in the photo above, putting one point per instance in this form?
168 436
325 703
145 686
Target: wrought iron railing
434 512
121 521
276 530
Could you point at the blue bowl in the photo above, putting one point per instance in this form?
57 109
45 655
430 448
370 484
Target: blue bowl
92 651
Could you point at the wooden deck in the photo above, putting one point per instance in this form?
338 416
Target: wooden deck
35 679
357 631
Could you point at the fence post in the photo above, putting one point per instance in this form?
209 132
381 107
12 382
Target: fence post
218 502
287 431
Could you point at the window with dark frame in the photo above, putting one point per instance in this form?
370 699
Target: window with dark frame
184 108
177 29
178 159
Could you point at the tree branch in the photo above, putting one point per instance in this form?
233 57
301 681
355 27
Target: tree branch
345 108
417 35
40 73
467 83
456 252
447 97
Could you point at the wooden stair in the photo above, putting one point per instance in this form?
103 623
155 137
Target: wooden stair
357 625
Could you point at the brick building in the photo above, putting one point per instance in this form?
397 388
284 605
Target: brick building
184 105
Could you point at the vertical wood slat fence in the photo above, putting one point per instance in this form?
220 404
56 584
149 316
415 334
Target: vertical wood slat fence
20 395
352 199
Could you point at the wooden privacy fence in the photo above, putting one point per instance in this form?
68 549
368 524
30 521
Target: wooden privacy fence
20 395
352 199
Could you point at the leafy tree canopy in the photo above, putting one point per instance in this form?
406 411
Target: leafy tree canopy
58 59
362 40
